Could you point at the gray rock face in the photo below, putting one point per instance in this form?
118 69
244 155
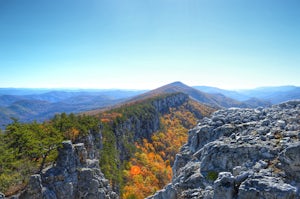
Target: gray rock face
290 161
224 186
73 177
266 187
93 143
239 154
137 127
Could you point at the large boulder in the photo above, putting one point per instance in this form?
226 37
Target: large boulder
224 186
266 187
290 161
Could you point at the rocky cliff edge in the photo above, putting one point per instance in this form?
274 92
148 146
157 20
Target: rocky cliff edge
240 154
74 176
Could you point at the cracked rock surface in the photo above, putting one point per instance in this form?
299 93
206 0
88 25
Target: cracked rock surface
240 154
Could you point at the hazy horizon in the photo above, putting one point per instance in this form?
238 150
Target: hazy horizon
146 44
141 89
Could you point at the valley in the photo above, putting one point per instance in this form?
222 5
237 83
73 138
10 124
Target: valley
139 143
29 105
155 99
155 125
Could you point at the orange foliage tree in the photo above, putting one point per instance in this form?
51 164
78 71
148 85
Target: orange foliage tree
150 168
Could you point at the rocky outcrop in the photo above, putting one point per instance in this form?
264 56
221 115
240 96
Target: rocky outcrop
163 104
239 154
74 176
138 126
143 126
93 142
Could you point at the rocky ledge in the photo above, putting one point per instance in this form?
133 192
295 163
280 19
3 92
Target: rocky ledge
240 154
74 176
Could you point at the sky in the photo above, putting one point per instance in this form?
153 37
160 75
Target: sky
144 44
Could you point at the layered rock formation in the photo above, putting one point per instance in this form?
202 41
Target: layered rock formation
74 176
240 154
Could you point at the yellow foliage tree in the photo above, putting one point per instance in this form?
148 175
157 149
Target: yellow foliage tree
152 163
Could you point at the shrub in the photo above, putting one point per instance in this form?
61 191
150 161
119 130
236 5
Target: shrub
212 175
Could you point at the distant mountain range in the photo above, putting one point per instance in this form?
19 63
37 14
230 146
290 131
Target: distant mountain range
41 104
27 105
274 95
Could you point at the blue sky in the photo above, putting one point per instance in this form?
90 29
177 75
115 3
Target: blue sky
144 44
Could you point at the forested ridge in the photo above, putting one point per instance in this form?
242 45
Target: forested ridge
139 143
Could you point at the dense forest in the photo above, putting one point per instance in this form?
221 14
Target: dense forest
150 169
139 143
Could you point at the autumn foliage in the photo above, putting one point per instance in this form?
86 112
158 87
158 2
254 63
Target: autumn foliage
150 168
147 172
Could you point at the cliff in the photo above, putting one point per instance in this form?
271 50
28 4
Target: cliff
142 119
73 176
240 154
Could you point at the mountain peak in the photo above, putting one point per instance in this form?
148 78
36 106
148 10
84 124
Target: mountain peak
179 87
174 87
177 83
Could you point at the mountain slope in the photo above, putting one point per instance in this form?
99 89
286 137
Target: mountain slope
155 157
145 135
229 93
215 100
7 100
